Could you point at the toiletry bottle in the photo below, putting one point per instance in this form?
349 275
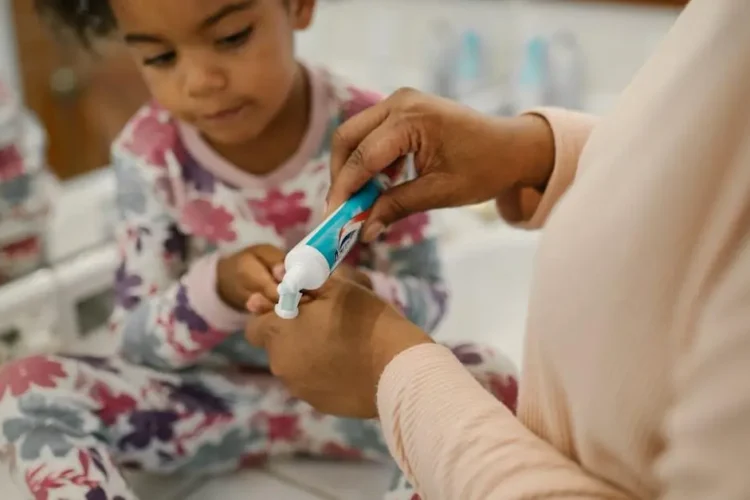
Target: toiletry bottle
442 60
532 88
566 71
471 74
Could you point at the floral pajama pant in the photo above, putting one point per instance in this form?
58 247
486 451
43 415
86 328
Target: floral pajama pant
70 425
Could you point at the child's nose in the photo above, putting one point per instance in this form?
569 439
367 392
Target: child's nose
204 79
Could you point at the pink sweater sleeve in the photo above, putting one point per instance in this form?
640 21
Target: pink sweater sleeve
571 131
454 440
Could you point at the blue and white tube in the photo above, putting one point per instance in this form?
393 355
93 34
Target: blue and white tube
310 263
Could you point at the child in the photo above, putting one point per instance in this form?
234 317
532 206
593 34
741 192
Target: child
214 182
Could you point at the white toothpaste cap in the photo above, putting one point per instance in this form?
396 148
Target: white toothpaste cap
288 306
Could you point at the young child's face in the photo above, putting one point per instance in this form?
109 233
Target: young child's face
224 66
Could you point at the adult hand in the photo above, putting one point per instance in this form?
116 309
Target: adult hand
461 156
253 270
333 354
351 273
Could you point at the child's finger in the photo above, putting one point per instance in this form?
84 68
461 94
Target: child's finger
258 277
279 271
270 256
271 290
259 304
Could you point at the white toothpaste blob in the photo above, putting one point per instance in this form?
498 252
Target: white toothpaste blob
310 263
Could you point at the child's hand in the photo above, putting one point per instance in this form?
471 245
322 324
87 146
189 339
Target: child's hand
254 270
260 304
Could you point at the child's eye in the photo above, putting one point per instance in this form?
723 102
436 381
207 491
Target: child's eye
161 60
236 39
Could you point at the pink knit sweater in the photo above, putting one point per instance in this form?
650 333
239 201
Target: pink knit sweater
636 378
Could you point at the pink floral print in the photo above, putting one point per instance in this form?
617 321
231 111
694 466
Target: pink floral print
41 483
150 139
111 404
209 221
11 163
410 230
18 377
25 247
280 211
283 427
505 388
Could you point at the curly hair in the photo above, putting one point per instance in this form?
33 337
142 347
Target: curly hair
86 19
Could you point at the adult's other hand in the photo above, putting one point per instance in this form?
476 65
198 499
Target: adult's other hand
333 354
461 156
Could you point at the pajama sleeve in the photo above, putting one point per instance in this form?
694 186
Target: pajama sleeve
405 269
407 272
167 314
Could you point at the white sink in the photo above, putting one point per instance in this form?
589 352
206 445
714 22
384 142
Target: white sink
488 272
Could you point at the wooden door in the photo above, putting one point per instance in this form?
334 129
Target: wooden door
82 100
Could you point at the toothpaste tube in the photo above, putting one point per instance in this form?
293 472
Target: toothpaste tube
310 263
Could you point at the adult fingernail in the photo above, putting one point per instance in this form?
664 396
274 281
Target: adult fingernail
279 271
373 232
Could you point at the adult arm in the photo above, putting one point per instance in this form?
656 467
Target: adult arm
461 157
568 131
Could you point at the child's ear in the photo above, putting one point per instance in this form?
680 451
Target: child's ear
302 11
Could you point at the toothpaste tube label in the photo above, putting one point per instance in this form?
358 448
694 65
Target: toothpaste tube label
338 234
349 235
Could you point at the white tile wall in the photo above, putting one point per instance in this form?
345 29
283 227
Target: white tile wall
386 41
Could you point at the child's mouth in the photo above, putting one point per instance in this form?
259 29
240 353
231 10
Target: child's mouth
225 114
